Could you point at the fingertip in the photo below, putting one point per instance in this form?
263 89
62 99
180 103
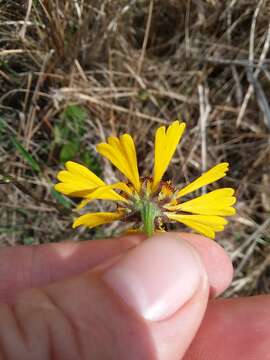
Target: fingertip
157 277
164 282
216 261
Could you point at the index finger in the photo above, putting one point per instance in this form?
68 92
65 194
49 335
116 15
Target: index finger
23 267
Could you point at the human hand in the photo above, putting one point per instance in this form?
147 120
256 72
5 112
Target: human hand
126 298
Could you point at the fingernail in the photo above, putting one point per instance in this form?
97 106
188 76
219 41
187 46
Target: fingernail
157 277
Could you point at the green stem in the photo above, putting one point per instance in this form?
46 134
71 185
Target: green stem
148 214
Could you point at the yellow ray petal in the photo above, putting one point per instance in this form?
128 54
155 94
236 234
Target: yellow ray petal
204 224
217 202
101 193
77 180
106 193
83 203
122 153
123 187
69 189
84 172
165 146
96 219
214 174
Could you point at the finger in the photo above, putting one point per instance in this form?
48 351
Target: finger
234 329
24 267
147 305
217 263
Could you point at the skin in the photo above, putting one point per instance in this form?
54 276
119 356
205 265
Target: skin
56 305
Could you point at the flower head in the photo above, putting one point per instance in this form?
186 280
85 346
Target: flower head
149 203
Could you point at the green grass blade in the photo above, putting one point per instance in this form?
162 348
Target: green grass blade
61 199
25 154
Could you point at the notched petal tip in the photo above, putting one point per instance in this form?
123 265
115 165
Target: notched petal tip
61 188
73 166
69 163
178 124
166 142
121 153
77 180
61 175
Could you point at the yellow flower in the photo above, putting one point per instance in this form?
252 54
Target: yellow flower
149 203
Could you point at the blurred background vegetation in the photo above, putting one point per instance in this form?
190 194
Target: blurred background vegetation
73 72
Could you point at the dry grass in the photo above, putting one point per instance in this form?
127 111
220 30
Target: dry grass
133 65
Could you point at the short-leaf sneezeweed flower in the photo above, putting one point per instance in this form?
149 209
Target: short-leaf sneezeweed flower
149 203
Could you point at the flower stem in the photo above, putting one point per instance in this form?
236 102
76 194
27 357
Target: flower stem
148 213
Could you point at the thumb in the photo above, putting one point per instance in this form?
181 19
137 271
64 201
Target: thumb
147 305
165 284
